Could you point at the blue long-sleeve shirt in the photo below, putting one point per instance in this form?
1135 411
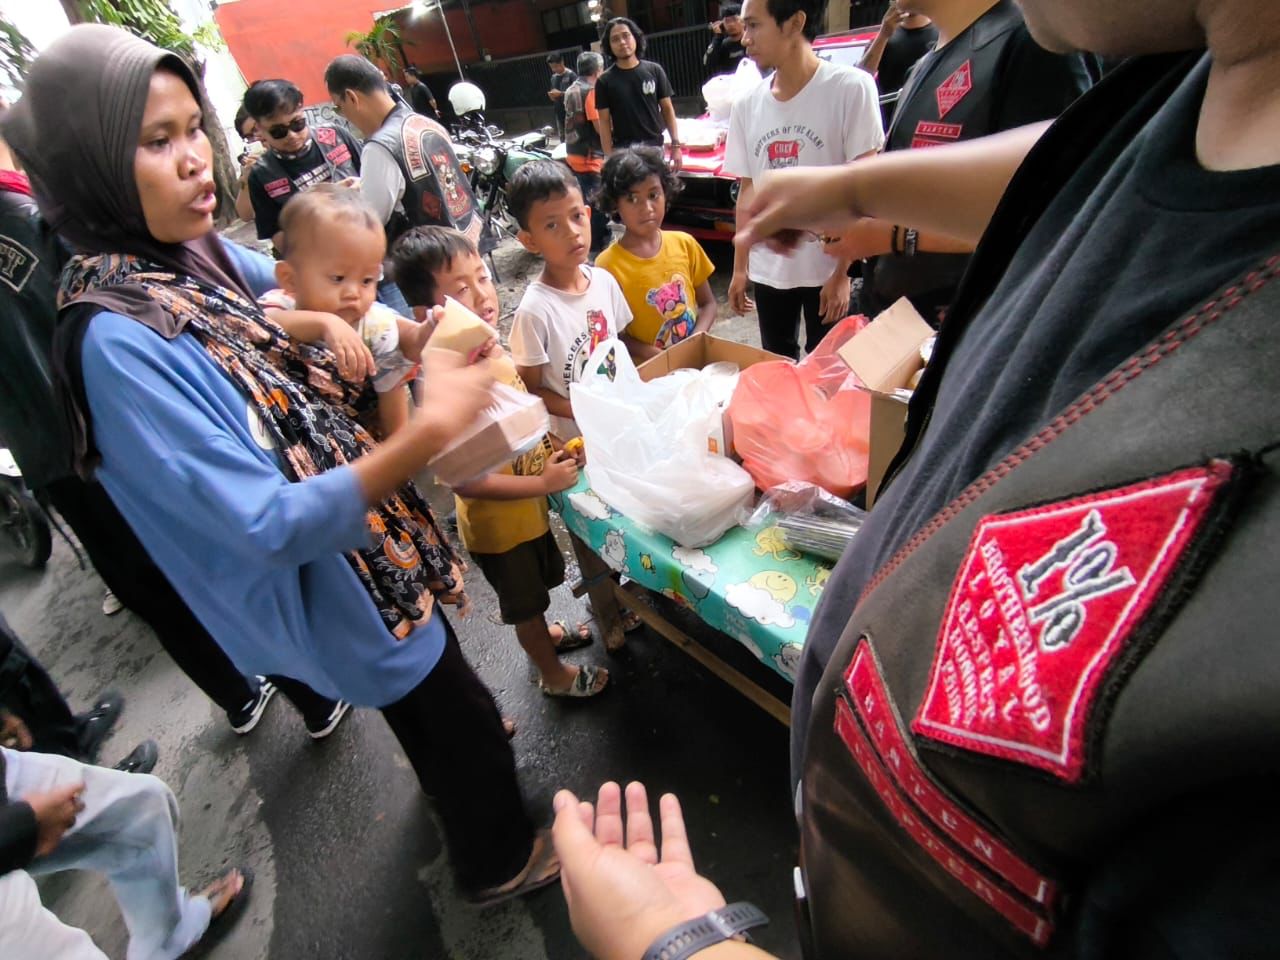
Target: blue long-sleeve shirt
257 558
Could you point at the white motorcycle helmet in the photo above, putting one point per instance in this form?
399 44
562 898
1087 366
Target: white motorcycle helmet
466 97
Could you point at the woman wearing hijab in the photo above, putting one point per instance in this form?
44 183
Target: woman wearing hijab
235 453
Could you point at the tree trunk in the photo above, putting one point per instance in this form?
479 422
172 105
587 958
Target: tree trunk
72 10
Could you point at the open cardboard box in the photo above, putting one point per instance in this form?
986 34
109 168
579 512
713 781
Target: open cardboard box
885 354
698 351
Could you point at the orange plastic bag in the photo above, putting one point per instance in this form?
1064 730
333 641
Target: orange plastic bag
808 421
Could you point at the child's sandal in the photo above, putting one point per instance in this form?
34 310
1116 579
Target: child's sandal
589 681
571 639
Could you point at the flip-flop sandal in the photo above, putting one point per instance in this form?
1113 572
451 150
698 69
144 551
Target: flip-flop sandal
631 621
542 870
589 681
222 921
572 639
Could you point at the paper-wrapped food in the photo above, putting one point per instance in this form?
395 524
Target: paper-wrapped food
461 331
513 423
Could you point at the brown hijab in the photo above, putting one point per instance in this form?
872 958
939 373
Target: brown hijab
76 131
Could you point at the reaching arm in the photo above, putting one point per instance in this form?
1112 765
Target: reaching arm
706 308
951 190
355 361
413 337
639 350
393 410
244 203
560 473
669 118
556 405
739 302
623 890
893 18
454 394
605 126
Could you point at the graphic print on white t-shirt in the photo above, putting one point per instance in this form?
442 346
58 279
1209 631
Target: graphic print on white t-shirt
835 118
557 331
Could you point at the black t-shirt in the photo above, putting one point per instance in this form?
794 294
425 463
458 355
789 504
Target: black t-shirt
904 48
420 99
562 81
723 55
331 155
1136 238
992 76
632 97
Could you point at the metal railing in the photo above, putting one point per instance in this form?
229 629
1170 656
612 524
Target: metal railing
516 81
680 54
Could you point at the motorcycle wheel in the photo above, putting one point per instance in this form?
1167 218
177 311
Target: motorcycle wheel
24 525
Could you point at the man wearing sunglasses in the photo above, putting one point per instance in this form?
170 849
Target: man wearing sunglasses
298 155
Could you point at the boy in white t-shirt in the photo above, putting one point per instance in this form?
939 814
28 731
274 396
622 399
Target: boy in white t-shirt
572 306
809 113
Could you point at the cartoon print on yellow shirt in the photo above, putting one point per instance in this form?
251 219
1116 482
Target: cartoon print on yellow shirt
672 300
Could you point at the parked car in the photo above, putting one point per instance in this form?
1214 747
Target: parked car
705 207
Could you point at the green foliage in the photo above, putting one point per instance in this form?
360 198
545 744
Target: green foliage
381 45
16 54
152 20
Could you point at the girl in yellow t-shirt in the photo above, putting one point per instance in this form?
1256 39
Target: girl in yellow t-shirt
664 274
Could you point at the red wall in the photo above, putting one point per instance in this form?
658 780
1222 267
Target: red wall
273 39
507 28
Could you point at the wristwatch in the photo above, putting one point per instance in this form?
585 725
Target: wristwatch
688 938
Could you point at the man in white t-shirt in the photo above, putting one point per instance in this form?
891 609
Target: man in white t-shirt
809 113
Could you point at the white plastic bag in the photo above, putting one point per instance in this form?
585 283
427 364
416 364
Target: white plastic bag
647 450
722 91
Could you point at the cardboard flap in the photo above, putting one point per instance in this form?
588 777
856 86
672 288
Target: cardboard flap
700 350
886 352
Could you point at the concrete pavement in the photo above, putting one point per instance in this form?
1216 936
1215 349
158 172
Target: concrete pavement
348 859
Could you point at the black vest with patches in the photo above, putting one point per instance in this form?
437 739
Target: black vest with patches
1051 727
951 95
436 191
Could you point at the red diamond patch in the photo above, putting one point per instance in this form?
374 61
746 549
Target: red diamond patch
952 90
1044 603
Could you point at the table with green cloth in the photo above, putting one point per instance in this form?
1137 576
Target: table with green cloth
748 585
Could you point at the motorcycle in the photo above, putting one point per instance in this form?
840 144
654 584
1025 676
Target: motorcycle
24 525
491 161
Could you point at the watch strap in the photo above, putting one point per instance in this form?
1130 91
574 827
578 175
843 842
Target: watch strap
686 939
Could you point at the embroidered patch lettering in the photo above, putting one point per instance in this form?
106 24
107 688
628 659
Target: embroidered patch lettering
1044 603
1023 917
339 155
953 89
278 188
929 134
879 719
16 264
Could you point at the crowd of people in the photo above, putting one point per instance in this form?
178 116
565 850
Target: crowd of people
1020 727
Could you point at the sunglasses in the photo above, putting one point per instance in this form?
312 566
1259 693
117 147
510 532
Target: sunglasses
281 130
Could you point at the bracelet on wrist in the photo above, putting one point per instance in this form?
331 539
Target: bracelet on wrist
686 939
